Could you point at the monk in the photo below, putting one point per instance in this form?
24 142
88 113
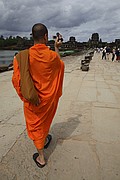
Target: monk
46 71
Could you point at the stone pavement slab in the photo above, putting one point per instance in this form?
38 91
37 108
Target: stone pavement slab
70 154
109 156
106 124
12 123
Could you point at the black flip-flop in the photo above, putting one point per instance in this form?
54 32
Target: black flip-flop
38 164
49 138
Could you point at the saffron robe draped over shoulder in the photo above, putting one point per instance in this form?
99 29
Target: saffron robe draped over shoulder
47 71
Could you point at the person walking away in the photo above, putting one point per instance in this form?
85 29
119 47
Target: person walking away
113 55
118 54
104 53
38 78
107 52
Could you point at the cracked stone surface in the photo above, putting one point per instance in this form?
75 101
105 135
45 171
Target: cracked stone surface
85 130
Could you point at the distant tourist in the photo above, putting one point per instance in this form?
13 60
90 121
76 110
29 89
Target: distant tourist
98 50
104 53
10 67
117 54
107 52
15 54
113 55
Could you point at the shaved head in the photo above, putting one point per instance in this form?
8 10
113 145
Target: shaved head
38 31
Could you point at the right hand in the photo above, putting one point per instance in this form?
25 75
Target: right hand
58 43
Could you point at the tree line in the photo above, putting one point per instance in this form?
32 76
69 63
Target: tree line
15 42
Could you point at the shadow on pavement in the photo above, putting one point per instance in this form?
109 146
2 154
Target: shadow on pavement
60 132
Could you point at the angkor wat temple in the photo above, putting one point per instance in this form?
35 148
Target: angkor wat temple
94 42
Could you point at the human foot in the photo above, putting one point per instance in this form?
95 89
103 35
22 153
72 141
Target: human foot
40 162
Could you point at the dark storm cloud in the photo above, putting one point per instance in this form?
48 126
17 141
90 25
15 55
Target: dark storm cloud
79 18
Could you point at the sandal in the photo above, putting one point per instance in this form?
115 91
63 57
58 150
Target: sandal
48 139
37 163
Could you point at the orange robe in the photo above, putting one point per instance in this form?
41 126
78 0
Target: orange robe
47 71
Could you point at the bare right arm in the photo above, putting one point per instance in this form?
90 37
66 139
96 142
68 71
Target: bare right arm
57 45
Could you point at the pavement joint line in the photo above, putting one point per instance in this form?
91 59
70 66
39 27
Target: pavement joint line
106 107
15 124
3 156
90 140
105 142
13 115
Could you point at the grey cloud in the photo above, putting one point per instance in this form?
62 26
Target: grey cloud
79 18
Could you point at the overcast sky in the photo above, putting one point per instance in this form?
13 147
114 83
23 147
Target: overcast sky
79 18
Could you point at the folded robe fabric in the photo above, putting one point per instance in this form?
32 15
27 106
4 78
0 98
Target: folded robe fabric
47 71
26 83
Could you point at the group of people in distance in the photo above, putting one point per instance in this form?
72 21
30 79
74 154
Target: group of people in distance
106 51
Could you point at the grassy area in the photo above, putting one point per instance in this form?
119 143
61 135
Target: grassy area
67 52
